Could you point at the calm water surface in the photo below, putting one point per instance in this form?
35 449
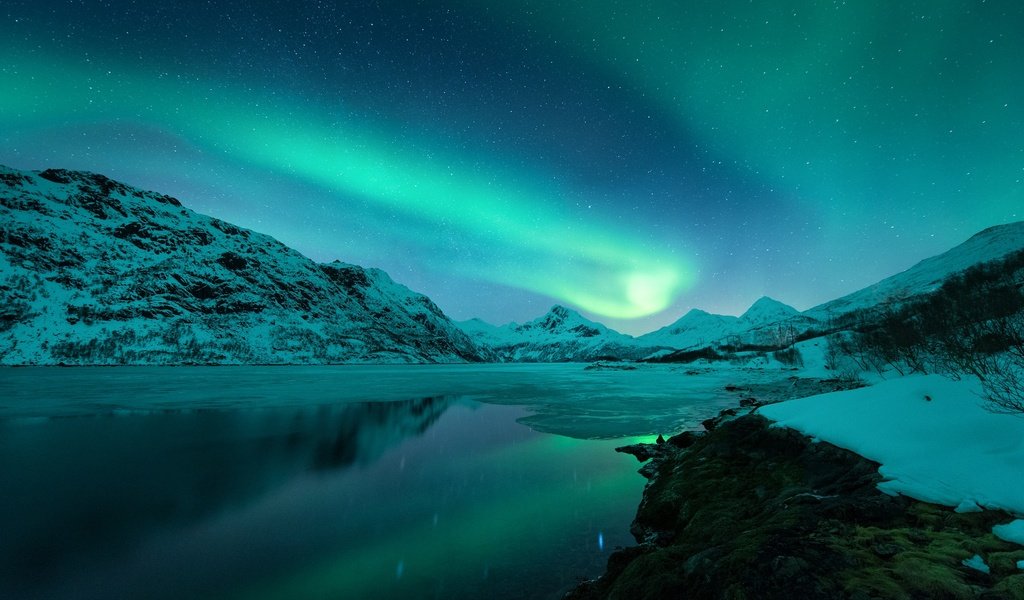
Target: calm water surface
467 481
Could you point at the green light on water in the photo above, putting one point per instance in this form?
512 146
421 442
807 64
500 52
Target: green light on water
510 529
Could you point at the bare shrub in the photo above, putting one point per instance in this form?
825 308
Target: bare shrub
790 357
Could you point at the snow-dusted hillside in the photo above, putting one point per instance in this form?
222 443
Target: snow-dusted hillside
758 325
95 272
768 319
766 311
558 336
926 276
564 335
696 328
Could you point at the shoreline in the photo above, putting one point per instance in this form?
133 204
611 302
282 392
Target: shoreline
748 510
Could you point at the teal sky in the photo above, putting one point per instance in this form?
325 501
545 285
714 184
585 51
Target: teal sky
631 160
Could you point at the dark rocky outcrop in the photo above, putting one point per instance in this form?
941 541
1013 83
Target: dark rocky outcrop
752 511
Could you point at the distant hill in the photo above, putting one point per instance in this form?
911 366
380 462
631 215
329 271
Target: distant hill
565 335
926 276
695 328
759 324
558 336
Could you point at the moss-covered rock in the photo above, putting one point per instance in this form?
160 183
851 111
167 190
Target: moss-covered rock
752 511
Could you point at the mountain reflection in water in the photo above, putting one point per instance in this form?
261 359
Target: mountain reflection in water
456 481
75 487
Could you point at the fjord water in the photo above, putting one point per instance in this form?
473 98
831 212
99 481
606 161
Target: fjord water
462 481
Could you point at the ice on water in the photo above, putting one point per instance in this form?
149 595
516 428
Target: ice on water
567 399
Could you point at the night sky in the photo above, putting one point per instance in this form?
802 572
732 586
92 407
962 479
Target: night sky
630 159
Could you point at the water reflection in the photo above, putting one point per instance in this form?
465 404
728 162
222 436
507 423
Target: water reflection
363 431
76 490
565 399
284 483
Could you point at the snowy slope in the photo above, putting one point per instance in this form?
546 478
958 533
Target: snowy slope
95 272
926 276
771 322
558 336
766 316
483 333
697 328
767 311
933 437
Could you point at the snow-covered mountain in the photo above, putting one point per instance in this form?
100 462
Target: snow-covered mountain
771 322
926 276
768 321
564 335
767 311
558 336
758 325
696 328
93 271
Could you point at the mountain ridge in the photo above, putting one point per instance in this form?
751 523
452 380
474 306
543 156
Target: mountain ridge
767 320
768 310
928 274
559 335
93 271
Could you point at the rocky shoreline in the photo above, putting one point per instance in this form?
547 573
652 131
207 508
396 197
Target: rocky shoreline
747 510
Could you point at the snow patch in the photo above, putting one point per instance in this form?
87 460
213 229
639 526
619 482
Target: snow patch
977 563
968 506
949 450
1011 532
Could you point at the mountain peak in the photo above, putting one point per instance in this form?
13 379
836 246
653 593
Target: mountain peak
562 313
560 317
768 310
696 328
701 317
767 302
558 335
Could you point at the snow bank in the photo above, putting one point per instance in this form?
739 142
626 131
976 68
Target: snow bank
1011 532
977 563
933 437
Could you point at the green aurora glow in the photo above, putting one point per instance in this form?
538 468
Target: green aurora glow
612 274
852 107
633 160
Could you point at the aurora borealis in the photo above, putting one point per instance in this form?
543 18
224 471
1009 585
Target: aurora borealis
632 160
